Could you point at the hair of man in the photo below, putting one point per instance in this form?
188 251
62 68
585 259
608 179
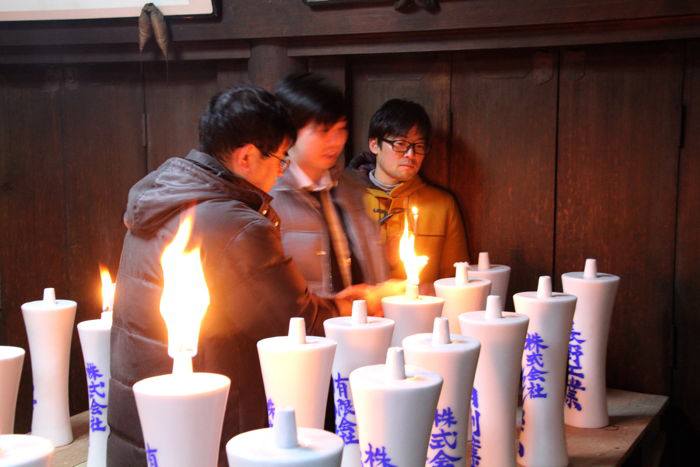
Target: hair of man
396 117
244 115
310 97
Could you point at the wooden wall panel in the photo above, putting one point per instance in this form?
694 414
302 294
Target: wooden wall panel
104 156
176 99
174 102
245 20
616 194
503 158
32 209
421 78
687 279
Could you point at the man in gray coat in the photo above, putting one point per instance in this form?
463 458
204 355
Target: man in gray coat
255 288
324 225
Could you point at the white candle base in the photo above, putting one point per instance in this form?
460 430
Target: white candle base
95 342
411 316
456 362
493 400
470 296
11 361
498 274
588 343
394 414
296 374
49 324
285 445
359 344
542 442
181 418
25 451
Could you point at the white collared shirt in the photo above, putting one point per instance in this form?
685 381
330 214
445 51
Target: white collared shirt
304 181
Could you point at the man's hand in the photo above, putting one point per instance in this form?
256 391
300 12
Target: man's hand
373 294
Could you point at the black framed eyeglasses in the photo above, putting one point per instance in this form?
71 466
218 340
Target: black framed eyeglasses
284 161
402 146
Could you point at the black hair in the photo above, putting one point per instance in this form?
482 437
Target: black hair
310 97
396 117
243 115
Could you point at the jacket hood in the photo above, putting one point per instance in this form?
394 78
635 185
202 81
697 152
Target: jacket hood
364 162
180 183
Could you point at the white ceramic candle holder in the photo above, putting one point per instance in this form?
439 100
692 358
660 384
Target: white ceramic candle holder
181 418
454 357
586 396
25 451
498 274
411 315
285 445
11 361
493 399
542 442
296 370
461 293
94 340
49 324
362 341
395 406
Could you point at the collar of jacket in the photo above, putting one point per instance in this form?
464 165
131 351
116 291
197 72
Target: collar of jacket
289 182
244 191
365 162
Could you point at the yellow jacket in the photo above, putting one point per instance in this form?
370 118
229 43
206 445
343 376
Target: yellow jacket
440 234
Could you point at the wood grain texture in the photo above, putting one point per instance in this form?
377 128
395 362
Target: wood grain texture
174 102
503 158
104 157
32 206
616 194
283 18
424 79
686 381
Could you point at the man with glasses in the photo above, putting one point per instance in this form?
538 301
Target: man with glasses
324 225
399 142
255 288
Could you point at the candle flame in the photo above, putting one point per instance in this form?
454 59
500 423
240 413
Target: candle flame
412 264
107 288
185 295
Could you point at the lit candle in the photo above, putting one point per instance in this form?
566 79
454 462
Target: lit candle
107 293
412 263
185 297
165 403
95 342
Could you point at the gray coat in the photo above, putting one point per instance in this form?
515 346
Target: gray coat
254 288
305 235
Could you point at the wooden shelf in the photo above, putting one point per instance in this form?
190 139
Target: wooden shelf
635 423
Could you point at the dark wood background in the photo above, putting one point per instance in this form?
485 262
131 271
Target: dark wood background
565 133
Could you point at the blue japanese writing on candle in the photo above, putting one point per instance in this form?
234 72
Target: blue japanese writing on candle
270 412
521 447
151 456
476 428
534 372
97 396
443 439
345 423
376 457
575 375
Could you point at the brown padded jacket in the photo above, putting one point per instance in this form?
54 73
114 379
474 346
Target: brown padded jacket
254 290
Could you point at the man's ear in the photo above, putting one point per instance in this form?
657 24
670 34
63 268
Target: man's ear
239 161
373 146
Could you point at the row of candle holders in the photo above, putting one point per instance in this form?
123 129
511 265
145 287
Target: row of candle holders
454 377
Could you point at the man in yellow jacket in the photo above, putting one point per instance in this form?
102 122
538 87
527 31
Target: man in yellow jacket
399 141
